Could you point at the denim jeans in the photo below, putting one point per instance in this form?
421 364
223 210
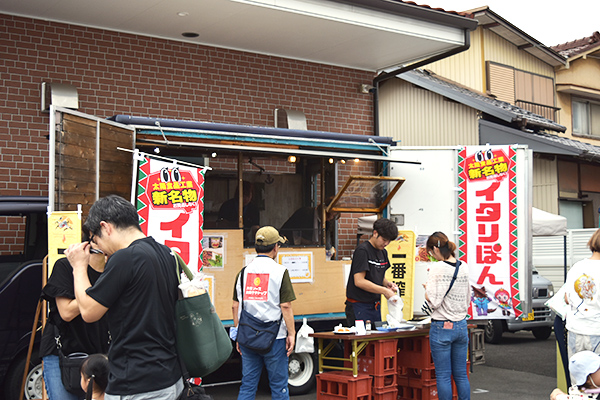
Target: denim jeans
53 381
168 393
276 362
449 353
362 311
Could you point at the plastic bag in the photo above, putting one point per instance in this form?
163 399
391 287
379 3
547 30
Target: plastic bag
395 306
195 287
305 343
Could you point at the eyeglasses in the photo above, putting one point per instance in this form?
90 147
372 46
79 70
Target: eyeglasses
94 251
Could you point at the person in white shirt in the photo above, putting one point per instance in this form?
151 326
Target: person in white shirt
267 294
583 295
448 294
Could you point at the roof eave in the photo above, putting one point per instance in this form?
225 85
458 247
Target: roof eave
417 12
553 55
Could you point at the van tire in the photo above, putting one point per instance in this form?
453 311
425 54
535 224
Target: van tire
302 369
493 331
14 378
542 332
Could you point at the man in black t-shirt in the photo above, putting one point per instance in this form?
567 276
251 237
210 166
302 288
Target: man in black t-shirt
367 282
137 292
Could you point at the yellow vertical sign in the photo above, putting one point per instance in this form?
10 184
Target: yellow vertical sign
64 229
401 253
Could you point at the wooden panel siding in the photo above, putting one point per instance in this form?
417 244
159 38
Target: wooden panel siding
76 169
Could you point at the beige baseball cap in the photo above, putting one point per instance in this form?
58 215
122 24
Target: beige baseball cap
267 235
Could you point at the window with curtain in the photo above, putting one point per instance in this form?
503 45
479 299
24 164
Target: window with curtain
586 117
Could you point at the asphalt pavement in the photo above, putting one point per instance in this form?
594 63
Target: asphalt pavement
520 368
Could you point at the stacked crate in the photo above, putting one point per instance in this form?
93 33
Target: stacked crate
379 360
341 385
382 356
388 369
416 372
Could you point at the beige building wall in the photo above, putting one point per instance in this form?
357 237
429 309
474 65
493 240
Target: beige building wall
563 101
581 72
545 184
582 75
468 68
502 51
418 117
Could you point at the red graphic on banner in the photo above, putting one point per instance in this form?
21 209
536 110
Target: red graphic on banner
257 287
487 164
172 189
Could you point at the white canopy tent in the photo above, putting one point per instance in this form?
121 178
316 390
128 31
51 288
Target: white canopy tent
547 224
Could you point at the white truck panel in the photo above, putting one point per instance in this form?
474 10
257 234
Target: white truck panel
428 202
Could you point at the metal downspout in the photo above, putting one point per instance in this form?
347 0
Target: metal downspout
383 77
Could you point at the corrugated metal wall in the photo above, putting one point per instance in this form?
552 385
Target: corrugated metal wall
465 68
545 185
502 51
418 117
468 67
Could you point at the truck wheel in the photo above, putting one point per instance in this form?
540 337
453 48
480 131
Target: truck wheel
302 369
493 331
14 378
542 332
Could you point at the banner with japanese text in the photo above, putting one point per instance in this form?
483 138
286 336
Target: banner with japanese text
401 253
488 229
170 203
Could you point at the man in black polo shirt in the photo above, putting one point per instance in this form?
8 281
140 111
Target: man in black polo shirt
137 292
367 282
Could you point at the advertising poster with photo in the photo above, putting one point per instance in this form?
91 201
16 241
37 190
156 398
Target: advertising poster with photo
213 251
170 204
488 226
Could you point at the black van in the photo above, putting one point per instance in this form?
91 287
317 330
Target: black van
23 246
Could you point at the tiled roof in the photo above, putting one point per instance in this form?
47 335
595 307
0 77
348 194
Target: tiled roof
461 13
572 49
586 150
480 101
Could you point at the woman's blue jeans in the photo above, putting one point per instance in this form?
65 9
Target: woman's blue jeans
276 363
449 352
53 381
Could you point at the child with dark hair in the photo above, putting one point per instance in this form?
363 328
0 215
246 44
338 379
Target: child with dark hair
94 376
